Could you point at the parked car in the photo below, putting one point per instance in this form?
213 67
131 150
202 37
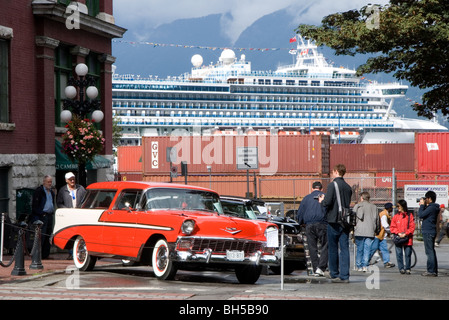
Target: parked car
167 226
294 254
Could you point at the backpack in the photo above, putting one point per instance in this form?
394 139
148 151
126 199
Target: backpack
346 216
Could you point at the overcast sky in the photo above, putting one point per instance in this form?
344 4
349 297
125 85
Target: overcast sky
140 16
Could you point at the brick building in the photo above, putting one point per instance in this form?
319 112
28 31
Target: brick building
41 41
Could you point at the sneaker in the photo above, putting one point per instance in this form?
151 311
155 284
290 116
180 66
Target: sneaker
338 280
402 271
429 274
408 271
364 269
389 265
437 244
319 273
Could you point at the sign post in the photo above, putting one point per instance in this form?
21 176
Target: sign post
171 156
247 158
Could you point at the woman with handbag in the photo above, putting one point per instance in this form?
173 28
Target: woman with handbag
402 228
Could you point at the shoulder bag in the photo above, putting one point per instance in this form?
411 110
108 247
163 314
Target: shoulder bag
397 240
346 216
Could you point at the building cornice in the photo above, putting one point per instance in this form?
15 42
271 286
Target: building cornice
57 12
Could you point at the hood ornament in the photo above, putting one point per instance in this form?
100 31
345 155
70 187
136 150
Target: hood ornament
232 230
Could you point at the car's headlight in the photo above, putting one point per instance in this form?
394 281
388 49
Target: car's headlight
188 226
272 236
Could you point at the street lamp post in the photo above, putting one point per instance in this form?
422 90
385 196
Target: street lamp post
83 88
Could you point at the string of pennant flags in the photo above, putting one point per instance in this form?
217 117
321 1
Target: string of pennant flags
154 44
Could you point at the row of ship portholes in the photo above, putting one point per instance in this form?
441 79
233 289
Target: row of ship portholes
160 121
228 114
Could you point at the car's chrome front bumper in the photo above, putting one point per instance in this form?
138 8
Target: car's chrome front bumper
207 256
220 250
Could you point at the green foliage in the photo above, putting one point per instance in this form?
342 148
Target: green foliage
411 41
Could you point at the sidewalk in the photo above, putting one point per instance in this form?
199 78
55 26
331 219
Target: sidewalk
57 262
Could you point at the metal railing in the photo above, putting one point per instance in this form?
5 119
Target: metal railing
20 250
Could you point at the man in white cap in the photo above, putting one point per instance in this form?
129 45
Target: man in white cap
70 195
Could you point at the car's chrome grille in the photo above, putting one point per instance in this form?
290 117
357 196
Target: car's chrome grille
221 245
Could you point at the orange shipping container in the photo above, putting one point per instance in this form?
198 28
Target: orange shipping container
302 154
129 159
291 187
373 157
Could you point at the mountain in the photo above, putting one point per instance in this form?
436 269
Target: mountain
205 34
145 59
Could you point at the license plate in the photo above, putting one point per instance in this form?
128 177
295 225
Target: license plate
235 255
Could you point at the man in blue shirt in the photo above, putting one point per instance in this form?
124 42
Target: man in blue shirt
313 215
43 209
428 212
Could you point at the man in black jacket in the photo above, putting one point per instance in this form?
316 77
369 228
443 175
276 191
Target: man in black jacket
337 235
429 212
313 215
43 209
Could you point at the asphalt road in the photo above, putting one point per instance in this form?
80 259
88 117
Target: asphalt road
112 281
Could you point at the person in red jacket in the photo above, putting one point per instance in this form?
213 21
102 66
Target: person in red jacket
403 224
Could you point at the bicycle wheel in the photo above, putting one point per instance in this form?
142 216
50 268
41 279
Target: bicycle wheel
413 258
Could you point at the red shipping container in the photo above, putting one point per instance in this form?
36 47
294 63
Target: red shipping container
373 157
432 152
129 159
302 154
385 180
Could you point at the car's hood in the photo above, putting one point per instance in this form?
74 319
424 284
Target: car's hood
213 224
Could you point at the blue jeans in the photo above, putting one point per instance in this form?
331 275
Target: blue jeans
363 251
383 247
400 257
338 251
429 248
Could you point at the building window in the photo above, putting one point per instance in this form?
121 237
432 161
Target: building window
94 66
63 71
4 72
93 6
4 199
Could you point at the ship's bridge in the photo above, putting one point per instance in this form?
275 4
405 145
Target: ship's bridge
387 90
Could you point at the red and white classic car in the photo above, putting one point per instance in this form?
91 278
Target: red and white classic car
168 226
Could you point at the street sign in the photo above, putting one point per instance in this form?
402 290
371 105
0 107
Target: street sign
174 172
412 194
171 154
247 158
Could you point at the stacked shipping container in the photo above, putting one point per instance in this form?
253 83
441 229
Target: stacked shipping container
287 164
276 154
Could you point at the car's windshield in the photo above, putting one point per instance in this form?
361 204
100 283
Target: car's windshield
181 199
240 209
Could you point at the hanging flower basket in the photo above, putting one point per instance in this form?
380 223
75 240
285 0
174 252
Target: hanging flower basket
82 141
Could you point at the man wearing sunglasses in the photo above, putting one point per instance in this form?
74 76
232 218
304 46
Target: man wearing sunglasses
71 195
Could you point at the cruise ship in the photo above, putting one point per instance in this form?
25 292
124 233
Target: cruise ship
228 98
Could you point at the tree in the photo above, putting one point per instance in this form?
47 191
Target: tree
116 133
409 38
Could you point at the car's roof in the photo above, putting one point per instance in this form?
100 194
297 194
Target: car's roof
142 185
